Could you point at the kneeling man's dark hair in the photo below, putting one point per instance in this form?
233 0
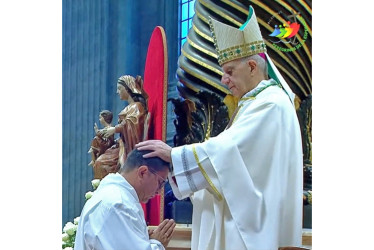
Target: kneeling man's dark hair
135 159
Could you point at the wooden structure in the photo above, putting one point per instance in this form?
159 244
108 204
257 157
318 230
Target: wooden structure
181 239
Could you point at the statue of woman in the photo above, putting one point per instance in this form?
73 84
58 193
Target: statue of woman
99 143
132 123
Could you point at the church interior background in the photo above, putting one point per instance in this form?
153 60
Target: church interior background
103 40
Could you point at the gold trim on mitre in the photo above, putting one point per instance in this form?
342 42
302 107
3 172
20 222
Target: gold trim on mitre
232 43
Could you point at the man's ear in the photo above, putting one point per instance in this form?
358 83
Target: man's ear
142 170
252 65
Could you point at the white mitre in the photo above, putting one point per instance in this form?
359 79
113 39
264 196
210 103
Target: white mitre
232 43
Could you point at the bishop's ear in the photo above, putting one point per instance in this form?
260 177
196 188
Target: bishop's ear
252 65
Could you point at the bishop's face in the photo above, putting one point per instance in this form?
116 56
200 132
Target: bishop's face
121 91
236 76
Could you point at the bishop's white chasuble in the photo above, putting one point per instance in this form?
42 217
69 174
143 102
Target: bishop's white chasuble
246 182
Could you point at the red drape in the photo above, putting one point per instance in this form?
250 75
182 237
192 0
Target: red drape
155 84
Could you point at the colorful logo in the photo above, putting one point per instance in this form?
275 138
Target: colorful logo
284 36
288 30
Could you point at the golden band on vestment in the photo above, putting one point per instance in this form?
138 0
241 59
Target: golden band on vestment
217 194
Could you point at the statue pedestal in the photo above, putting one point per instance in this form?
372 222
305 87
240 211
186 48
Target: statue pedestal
182 237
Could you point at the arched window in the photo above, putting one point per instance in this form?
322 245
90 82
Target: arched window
186 12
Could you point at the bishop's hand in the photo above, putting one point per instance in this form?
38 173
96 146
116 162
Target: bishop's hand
159 148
